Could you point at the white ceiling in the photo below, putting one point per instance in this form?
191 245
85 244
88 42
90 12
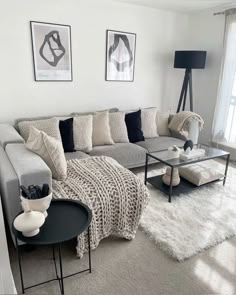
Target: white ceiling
182 5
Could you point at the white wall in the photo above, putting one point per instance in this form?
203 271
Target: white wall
206 32
156 82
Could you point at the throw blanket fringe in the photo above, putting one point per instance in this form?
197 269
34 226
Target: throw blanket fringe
115 195
178 122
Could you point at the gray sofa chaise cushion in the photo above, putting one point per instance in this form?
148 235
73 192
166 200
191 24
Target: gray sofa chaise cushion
76 155
127 154
160 143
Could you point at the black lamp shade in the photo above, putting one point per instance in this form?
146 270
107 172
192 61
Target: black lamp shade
190 59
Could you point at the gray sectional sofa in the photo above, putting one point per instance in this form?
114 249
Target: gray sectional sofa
19 166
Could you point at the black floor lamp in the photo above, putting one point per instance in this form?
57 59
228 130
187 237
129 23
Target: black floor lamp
188 60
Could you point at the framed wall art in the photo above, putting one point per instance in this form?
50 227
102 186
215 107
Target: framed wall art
52 58
120 56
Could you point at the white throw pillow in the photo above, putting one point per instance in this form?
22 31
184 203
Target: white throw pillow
149 124
118 127
162 123
82 132
50 150
49 126
101 129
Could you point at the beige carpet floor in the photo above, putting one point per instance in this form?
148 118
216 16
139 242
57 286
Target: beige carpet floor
139 267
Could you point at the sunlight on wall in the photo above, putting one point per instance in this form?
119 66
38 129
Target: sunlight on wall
213 279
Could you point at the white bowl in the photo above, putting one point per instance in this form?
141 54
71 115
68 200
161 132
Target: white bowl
40 205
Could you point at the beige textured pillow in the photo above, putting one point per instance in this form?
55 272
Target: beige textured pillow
201 173
49 126
82 132
50 150
118 127
149 124
101 129
162 123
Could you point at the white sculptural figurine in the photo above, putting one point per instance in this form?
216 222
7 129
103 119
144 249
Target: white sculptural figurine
29 221
167 175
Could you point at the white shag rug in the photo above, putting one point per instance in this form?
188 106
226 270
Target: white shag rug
192 222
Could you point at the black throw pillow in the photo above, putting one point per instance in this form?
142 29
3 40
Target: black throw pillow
66 130
133 124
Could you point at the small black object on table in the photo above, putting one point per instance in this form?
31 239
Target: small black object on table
66 220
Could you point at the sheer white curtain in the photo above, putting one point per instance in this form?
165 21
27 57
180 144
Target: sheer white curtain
224 125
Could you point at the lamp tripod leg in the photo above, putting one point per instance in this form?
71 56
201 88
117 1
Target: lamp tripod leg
191 91
183 90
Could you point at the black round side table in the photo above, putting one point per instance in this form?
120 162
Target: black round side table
66 219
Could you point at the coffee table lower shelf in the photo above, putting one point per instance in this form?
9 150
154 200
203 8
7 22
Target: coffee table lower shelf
183 188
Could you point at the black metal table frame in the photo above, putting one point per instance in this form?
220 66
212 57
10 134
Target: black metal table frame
180 165
58 278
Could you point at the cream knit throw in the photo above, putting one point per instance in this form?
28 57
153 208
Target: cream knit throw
178 122
115 195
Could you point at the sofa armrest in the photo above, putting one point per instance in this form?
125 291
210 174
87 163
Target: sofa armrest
8 134
192 128
19 166
29 167
9 189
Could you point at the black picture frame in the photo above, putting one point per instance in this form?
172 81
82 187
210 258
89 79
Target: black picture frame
58 69
108 63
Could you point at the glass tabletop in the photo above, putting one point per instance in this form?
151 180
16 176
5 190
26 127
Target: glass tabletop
210 153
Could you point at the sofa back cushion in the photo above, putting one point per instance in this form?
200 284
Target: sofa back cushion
50 150
133 123
49 126
112 110
8 134
83 130
118 127
101 129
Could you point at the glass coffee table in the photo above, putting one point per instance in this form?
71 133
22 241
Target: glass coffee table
184 186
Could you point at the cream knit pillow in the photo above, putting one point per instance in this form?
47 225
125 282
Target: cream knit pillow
50 150
118 127
49 126
101 129
82 131
149 124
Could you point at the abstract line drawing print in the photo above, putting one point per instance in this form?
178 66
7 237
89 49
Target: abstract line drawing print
55 48
52 56
120 66
120 56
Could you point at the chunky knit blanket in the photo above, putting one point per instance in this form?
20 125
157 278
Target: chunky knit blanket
180 119
115 195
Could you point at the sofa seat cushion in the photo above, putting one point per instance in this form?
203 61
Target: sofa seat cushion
76 155
127 154
160 143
